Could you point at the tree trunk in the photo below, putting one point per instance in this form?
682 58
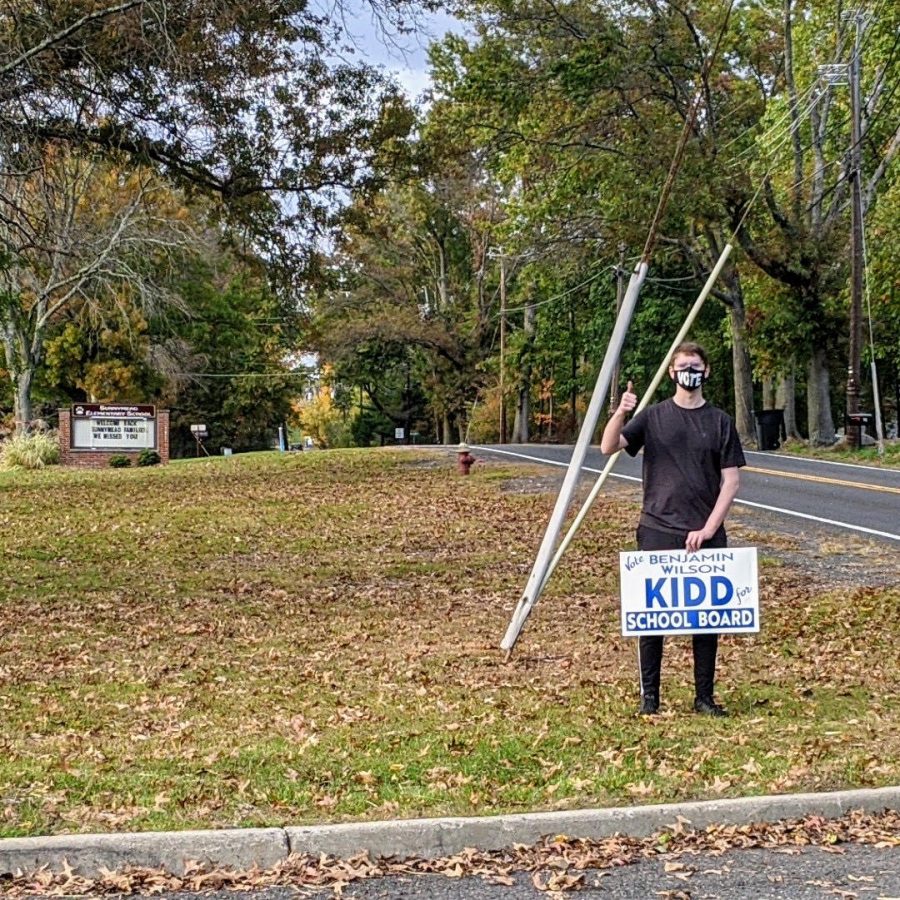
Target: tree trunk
448 437
523 407
785 399
768 393
743 372
520 422
21 368
821 424
23 408
443 280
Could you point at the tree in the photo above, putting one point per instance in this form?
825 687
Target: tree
249 105
76 232
799 235
409 315
225 356
586 102
572 104
100 355
236 100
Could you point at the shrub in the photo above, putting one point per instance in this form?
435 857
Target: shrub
148 457
30 451
119 461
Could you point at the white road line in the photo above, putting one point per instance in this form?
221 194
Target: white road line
775 509
539 459
800 515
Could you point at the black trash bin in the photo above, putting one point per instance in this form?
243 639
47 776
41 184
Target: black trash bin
769 428
859 421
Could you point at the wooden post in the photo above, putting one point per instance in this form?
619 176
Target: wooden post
620 289
854 432
502 348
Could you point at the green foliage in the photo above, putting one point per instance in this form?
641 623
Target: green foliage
119 461
148 457
577 126
235 334
30 451
370 427
104 355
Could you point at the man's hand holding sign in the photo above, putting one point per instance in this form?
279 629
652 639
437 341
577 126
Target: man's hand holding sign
692 457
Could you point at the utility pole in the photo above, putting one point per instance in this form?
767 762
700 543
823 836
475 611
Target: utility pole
502 347
854 433
850 74
620 293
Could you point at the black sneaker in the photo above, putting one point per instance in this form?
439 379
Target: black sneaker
706 706
649 704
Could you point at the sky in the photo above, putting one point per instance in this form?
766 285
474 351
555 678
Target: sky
406 55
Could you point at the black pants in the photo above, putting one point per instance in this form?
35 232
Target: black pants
650 648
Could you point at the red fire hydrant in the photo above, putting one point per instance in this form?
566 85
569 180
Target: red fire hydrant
464 459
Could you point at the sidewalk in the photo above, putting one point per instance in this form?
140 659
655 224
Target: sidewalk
87 854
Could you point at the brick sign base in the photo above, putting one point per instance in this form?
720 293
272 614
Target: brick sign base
99 459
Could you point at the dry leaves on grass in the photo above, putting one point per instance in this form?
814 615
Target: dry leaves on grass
556 864
345 609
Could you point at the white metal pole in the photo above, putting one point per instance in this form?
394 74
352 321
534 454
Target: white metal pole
648 395
536 579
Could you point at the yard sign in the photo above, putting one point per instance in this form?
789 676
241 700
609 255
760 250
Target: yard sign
713 591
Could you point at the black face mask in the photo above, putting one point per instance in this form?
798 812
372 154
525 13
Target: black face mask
690 379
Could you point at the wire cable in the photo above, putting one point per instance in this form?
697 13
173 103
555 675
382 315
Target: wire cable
560 296
810 98
242 374
778 123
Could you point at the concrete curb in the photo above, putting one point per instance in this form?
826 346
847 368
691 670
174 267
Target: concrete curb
169 850
265 847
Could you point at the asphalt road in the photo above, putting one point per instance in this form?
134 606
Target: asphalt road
847 871
836 496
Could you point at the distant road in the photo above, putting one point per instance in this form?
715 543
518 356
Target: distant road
836 495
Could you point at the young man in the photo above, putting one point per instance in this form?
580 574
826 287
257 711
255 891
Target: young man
692 454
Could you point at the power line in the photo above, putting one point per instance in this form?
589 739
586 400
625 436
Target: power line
242 374
565 293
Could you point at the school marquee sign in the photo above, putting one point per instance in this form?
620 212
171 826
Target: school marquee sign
104 426
667 592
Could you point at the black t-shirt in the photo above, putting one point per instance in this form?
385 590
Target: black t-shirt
685 451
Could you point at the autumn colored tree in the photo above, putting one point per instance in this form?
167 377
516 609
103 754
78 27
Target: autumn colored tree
78 233
253 107
236 100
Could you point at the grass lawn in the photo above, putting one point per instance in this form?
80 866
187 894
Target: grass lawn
867 455
283 639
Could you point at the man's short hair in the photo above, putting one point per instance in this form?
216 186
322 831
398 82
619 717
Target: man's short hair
689 348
